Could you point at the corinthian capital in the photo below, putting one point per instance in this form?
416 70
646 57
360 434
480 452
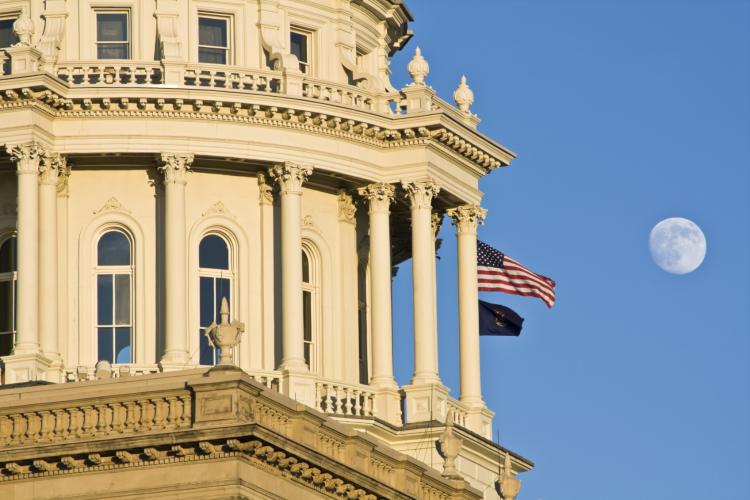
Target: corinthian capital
290 176
53 166
466 218
420 194
26 156
379 195
174 167
347 209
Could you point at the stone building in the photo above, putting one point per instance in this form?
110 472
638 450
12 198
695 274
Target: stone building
162 157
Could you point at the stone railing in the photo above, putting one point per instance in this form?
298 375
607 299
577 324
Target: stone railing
460 413
232 78
110 73
100 418
338 94
83 373
270 379
338 398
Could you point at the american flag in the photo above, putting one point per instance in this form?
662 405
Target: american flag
498 272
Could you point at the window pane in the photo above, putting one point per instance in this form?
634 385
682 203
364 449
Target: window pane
8 255
307 315
298 43
207 301
212 31
307 354
222 291
122 299
305 268
6 306
7 35
104 344
6 344
207 353
212 56
112 51
213 253
112 27
122 345
104 299
114 249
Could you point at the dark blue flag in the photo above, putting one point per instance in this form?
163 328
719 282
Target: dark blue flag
495 319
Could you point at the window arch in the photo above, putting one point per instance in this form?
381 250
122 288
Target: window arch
8 278
216 280
114 296
311 315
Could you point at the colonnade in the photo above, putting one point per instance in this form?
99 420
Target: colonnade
36 346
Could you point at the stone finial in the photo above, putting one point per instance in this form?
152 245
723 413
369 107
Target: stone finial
463 96
418 68
450 446
225 336
23 27
508 484
102 369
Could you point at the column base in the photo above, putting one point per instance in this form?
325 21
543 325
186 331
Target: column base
299 386
55 371
387 405
175 361
479 420
426 402
25 368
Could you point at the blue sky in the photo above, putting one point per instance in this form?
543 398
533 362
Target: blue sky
622 113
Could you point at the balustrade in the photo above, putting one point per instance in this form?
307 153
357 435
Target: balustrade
95 420
336 398
110 73
233 78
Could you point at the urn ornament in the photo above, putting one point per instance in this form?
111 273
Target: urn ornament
225 336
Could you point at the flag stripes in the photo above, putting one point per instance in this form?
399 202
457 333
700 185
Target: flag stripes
498 272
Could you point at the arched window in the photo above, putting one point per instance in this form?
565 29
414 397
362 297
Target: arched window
8 268
114 297
216 278
310 307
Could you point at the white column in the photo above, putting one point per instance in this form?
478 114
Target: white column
174 168
290 177
380 195
420 196
52 167
27 158
466 218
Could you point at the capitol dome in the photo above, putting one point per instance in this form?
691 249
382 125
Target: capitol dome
160 158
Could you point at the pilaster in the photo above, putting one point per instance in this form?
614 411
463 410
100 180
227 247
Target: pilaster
265 203
348 279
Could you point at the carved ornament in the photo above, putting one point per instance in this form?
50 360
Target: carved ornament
23 27
290 176
347 209
112 205
418 68
421 193
463 96
174 167
265 190
466 218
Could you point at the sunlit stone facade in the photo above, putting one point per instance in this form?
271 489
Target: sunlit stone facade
161 156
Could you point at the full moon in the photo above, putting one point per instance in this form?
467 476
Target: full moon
677 245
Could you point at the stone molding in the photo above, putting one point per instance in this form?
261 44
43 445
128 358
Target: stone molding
421 193
290 176
174 167
263 114
467 218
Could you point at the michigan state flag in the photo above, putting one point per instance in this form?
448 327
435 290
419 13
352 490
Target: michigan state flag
495 319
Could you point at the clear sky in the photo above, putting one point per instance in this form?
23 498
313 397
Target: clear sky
622 113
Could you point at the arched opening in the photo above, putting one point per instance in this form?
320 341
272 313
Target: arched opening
8 278
114 297
216 280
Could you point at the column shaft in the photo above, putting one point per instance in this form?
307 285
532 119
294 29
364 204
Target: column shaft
290 178
466 218
380 196
48 298
174 169
27 158
423 281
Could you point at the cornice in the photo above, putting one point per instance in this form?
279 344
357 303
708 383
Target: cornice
308 115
